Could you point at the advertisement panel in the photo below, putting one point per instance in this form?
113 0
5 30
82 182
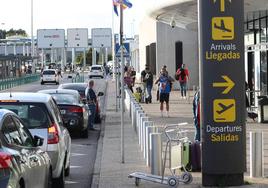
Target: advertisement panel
77 38
50 38
101 37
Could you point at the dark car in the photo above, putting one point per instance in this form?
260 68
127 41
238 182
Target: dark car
74 113
81 88
22 162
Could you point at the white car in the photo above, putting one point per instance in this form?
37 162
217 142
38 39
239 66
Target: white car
96 71
49 76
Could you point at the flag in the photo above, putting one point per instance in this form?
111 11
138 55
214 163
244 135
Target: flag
126 4
115 4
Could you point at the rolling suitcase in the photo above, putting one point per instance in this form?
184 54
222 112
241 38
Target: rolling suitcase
195 156
185 155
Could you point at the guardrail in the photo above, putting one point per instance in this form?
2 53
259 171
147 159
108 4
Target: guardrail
17 81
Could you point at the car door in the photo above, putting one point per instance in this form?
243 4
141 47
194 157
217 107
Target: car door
14 142
38 159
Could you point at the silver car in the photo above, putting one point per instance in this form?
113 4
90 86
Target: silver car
42 117
22 162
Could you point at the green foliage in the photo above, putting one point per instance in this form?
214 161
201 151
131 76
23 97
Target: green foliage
12 32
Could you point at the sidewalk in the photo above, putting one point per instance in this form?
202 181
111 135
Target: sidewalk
109 172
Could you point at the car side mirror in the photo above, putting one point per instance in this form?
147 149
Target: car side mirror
84 101
100 94
38 141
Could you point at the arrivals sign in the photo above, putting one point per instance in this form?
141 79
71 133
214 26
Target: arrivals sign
222 87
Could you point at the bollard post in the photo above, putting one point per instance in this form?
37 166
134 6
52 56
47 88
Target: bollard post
143 135
134 116
156 153
142 130
140 114
148 131
256 154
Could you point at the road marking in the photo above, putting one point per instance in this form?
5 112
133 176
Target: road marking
75 166
77 154
71 182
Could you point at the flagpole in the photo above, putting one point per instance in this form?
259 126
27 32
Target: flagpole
122 84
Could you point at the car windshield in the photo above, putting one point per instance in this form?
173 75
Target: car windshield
65 98
49 72
96 68
34 115
80 88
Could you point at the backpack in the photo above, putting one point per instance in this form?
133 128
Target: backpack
182 73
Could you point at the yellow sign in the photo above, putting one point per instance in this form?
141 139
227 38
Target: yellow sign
228 84
224 110
222 28
222 4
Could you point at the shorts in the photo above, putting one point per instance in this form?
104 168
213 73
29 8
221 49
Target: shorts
164 97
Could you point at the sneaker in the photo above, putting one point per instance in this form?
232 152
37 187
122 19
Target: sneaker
162 115
184 97
167 114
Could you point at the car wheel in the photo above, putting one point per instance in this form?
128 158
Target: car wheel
42 83
57 83
59 182
84 133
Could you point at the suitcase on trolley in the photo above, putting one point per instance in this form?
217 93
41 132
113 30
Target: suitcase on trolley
185 155
195 156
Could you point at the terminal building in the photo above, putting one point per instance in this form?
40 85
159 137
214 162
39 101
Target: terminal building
169 35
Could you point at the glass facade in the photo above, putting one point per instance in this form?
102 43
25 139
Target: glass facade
256 42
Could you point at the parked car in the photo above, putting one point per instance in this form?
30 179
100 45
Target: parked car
74 113
81 88
41 116
22 162
50 76
96 71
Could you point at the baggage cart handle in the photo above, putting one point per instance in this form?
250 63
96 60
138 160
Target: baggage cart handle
174 127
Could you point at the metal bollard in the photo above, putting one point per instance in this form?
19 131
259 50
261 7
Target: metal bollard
142 130
156 153
256 154
134 116
143 135
148 131
139 115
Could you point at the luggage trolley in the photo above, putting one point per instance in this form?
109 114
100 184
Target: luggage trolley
173 180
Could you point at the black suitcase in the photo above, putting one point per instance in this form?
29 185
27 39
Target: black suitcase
195 156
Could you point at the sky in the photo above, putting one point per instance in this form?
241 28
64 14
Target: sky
63 14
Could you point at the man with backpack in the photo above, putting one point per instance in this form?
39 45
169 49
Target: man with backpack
164 81
147 79
182 75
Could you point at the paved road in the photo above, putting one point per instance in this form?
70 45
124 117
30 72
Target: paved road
83 151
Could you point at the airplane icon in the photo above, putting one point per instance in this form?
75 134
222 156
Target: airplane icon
222 27
224 108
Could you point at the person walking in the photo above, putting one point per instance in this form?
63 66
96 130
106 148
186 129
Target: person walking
147 79
91 102
128 80
183 77
164 82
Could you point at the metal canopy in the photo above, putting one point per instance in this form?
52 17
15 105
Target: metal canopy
184 12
